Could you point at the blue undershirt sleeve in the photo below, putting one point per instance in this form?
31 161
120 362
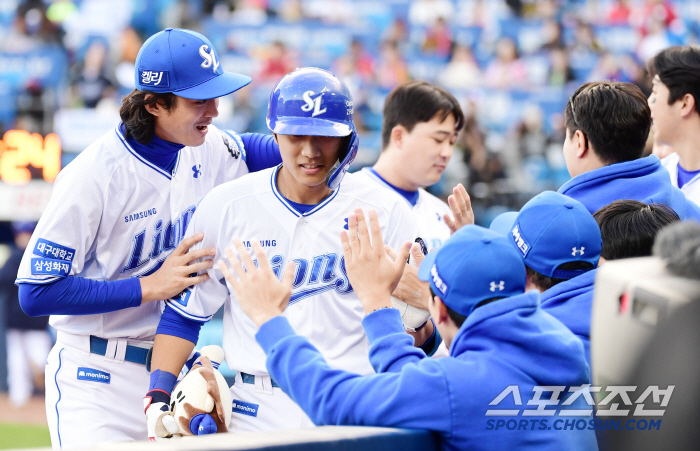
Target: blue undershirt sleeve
261 151
433 343
79 296
172 323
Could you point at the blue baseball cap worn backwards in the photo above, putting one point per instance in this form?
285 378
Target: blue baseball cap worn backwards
185 63
550 230
473 265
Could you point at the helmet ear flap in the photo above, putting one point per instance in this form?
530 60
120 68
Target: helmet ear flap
346 156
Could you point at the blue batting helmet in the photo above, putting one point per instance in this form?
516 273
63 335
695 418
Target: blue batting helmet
314 102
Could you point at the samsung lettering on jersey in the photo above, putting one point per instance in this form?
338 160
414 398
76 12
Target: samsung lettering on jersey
140 215
263 243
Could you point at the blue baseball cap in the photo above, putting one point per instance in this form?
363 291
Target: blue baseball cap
473 265
550 230
23 226
185 63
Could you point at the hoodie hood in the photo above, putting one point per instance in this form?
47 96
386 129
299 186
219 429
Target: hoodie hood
644 180
516 332
571 303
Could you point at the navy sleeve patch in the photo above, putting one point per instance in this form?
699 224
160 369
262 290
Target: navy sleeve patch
49 249
47 266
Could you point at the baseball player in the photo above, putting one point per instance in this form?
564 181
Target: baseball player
499 339
607 126
295 211
675 113
420 126
110 244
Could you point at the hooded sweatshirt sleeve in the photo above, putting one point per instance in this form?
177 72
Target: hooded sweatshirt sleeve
335 397
391 348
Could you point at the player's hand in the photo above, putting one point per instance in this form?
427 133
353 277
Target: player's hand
258 291
373 275
410 288
461 206
160 422
174 275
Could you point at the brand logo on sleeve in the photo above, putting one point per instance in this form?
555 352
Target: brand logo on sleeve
50 267
245 408
93 375
197 169
183 298
49 249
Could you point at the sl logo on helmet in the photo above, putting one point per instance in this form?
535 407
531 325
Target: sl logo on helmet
209 58
312 103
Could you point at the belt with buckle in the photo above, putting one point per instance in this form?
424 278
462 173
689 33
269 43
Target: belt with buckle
250 379
133 354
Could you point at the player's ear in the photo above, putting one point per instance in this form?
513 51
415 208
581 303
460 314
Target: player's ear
274 135
441 309
687 104
397 136
153 107
580 142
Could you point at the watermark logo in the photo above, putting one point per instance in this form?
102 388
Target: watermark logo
578 401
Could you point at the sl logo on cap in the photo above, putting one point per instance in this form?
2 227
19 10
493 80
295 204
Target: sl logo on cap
209 58
313 103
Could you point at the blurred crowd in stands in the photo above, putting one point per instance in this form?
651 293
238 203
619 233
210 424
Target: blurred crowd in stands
511 63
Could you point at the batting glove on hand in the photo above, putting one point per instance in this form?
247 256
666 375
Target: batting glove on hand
159 419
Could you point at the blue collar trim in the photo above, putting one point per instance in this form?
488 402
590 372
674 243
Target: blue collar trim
410 196
160 155
287 203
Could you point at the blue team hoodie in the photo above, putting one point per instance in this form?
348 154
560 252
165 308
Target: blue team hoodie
571 302
504 343
644 180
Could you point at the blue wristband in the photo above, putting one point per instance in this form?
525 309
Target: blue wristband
163 381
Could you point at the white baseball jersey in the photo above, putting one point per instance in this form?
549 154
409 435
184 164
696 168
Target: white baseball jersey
323 306
692 188
114 215
428 213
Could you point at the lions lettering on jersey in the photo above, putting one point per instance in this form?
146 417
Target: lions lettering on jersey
321 273
164 238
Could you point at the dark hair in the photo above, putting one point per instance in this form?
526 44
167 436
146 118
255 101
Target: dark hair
629 227
544 283
417 101
138 122
613 116
678 67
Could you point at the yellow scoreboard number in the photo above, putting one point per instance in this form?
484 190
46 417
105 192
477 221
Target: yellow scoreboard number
19 149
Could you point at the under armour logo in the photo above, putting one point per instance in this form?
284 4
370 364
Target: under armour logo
575 251
500 286
196 170
346 224
209 58
314 104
